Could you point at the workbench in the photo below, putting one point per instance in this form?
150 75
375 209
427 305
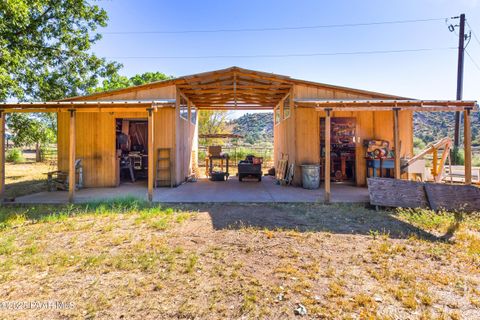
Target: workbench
210 159
380 164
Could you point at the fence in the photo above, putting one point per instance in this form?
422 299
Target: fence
239 152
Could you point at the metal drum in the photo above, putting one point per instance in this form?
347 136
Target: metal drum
310 176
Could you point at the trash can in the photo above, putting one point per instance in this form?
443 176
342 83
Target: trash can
310 176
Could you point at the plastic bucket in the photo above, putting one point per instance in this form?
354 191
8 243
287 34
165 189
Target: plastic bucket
310 176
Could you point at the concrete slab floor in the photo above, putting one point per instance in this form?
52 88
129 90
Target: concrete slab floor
207 191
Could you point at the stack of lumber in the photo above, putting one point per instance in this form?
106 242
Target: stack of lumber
412 194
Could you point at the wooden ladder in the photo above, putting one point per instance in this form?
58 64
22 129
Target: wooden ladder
164 174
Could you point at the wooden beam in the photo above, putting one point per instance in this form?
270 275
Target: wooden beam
467 140
71 157
389 108
2 155
151 169
233 108
268 91
224 86
396 143
327 154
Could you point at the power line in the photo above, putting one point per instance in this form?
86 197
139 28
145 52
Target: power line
473 33
345 25
471 58
285 55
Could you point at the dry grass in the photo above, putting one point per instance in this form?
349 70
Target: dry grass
128 260
26 178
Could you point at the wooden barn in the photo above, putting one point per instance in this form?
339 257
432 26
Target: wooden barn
161 120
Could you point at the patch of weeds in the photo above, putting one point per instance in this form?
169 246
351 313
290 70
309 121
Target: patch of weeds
287 270
406 296
101 303
93 261
269 234
455 315
146 214
427 219
7 245
330 272
437 252
302 286
249 301
63 259
147 261
191 263
118 240
374 234
364 300
54 217
335 288
181 217
159 224
475 302
30 250
120 205
178 250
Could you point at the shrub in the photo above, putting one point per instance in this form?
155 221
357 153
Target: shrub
14 155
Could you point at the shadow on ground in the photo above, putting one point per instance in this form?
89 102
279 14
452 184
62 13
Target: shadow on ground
21 188
336 218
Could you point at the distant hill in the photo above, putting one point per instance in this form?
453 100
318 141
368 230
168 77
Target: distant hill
428 126
432 126
255 127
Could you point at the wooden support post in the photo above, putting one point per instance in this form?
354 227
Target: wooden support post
151 168
435 164
2 154
396 143
71 157
467 141
327 154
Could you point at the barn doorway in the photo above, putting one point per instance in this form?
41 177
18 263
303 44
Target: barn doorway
343 148
131 150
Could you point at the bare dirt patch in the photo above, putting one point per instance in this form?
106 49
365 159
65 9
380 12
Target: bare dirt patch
243 261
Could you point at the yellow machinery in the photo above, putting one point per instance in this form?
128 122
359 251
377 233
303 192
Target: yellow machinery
434 148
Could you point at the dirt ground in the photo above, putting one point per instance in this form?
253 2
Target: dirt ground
243 261
27 177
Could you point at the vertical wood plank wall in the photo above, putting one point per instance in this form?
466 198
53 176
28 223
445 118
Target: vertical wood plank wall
369 125
96 138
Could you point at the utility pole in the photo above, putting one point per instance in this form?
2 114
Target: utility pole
461 51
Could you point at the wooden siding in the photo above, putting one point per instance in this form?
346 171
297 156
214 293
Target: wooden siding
95 143
284 136
369 125
139 94
186 137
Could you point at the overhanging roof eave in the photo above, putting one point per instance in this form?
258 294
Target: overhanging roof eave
79 105
381 105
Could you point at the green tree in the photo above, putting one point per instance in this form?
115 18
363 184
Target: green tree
31 129
45 54
45 48
212 122
119 82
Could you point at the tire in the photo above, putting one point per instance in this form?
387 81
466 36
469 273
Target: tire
240 178
259 178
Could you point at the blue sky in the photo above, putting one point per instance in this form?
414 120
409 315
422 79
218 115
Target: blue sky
425 75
